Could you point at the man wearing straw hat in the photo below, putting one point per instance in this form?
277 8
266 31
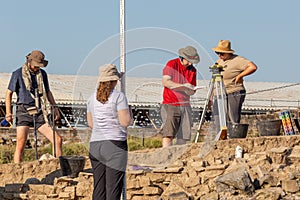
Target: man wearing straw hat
31 85
235 69
179 79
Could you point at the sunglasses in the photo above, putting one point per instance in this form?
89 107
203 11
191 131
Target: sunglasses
219 53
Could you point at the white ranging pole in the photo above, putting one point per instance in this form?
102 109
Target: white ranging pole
122 45
123 70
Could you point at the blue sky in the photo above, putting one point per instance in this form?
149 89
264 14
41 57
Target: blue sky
77 36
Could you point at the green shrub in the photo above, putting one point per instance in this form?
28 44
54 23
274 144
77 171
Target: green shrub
135 143
6 154
75 149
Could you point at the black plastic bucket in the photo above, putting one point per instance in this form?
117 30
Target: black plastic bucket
71 165
237 130
269 127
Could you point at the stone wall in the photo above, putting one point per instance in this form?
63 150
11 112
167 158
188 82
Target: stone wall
43 180
268 169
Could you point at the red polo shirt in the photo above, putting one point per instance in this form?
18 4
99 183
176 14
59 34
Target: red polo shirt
178 74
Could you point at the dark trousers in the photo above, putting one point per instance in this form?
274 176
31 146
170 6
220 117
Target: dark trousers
109 160
234 108
235 101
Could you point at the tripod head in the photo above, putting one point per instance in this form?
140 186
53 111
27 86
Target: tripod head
216 69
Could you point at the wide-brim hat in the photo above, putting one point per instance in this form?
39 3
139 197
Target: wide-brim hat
37 58
190 54
224 46
108 72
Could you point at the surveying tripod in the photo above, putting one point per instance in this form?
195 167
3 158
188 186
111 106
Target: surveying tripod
216 86
33 111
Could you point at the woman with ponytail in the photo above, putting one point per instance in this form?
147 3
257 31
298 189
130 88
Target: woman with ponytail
108 116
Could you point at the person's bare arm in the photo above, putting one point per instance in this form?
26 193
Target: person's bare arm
124 117
53 103
89 119
250 69
169 83
8 99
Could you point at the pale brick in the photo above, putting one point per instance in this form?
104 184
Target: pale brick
84 189
261 171
152 190
21 196
136 172
191 172
41 189
210 175
202 190
38 197
64 182
84 176
145 181
71 190
192 182
64 195
216 167
135 197
156 177
278 155
133 184
290 186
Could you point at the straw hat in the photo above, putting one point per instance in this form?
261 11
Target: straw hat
108 72
224 46
190 54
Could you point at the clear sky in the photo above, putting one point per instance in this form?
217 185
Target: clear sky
78 36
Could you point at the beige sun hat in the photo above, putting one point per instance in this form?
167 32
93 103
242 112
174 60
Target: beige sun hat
37 58
108 72
224 46
190 54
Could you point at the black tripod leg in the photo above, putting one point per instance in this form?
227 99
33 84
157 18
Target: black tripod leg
53 129
35 137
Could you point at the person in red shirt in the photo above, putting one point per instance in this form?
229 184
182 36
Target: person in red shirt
179 80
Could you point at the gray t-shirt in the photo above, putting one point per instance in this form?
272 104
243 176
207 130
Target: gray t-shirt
106 124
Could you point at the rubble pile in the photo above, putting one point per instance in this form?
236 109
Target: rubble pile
268 169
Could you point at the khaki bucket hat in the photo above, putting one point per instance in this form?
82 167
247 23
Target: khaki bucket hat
190 54
108 72
224 46
37 58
